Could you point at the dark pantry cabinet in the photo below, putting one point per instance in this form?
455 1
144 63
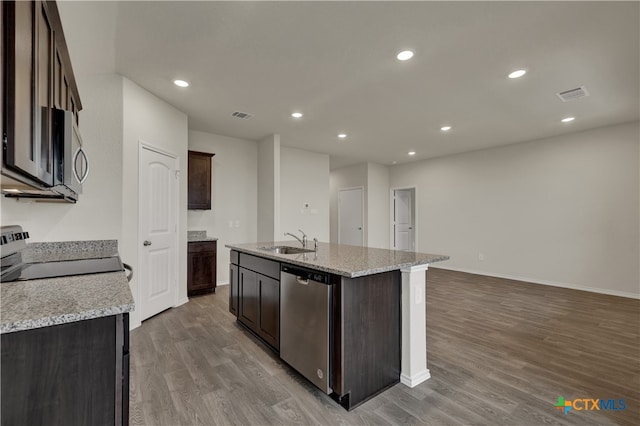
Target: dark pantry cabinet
69 374
36 77
202 268
199 193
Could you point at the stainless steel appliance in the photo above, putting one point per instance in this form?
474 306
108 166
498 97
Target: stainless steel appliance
70 166
305 301
13 241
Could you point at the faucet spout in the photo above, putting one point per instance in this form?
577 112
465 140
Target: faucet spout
294 236
302 240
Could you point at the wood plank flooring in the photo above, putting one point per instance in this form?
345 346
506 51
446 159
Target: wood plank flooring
500 352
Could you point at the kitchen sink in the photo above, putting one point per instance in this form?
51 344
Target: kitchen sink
286 249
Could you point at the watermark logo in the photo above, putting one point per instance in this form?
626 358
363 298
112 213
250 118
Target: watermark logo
589 404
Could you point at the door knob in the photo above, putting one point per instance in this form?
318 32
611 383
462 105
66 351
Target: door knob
147 243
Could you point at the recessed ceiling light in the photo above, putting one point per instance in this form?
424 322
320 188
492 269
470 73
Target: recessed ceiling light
568 119
411 153
394 162
517 73
296 115
445 128
342 135
181 83
405 55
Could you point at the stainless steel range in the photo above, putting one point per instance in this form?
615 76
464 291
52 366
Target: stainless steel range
13 240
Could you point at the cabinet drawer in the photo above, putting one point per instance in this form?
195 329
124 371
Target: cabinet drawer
263 266
201 246
234 257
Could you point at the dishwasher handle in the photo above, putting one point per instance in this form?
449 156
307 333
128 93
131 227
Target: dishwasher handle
304 275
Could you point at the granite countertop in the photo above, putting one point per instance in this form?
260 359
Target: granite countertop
39 303
340 259
199 236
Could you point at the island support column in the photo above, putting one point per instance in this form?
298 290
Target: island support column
414 326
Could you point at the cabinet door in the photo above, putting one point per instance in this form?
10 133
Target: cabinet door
21 151
249 293
233 289
269 325
199 186
62 375
44 94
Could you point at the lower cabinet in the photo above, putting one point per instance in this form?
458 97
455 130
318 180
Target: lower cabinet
233 289
69 374
201 267
259 305
254 295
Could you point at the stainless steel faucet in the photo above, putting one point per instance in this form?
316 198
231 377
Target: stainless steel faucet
315 244
302 241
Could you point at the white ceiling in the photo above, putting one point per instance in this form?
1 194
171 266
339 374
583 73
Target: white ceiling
335 62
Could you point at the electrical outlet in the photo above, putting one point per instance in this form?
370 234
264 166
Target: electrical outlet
480 256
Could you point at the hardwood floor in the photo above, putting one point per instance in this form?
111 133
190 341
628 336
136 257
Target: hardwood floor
500 352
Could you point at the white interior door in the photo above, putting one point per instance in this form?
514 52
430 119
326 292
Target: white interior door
350 216
158 225
403 232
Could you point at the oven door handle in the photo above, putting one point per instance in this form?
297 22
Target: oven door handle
130 269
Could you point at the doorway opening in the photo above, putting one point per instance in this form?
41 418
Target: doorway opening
403 219
351 216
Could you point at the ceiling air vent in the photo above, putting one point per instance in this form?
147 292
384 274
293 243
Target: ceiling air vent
242 115
573 94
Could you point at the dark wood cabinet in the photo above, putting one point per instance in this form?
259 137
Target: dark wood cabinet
233 284
269 324
366 336
202 267
249 299
37 76
69 374
199 192
258 297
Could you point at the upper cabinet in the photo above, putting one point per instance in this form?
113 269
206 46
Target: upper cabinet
36 78
199 197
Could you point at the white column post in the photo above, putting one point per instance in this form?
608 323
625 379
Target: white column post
414 326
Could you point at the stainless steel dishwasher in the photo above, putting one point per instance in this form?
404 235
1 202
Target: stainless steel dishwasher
305 300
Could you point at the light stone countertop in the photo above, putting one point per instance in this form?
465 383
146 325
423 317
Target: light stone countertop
199 236
341 259
51 301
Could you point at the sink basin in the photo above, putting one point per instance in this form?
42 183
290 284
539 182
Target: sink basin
286 249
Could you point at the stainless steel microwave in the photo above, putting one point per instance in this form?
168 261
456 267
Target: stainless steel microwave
71 165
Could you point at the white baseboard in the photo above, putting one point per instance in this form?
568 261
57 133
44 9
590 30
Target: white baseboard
218 284
544 282
416 379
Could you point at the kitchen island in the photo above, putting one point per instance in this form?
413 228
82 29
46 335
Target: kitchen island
377 316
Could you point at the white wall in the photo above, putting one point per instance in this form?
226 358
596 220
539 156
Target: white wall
269 188
148 118
378 205
234 195
304 179
98 213
562 211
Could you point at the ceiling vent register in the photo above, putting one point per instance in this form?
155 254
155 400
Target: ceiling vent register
573 94
242 115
